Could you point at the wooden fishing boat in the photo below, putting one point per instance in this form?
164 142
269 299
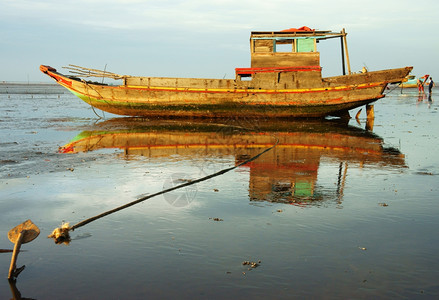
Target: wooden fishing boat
284 80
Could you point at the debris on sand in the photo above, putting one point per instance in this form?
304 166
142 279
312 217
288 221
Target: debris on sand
252 264
61 235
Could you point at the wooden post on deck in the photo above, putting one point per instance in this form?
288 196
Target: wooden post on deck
346 50
343 68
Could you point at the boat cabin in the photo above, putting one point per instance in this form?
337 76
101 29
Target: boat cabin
285 59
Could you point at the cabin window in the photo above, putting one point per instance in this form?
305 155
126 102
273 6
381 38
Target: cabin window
284 46
246 78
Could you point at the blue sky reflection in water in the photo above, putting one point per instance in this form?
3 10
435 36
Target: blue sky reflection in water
369 232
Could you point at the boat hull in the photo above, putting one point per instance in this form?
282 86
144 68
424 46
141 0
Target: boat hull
223 98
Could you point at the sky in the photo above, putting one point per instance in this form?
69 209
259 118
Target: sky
207 39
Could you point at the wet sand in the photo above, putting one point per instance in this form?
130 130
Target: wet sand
334 211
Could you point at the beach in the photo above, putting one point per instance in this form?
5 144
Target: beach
335 209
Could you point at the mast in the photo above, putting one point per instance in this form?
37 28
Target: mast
344 34
342 56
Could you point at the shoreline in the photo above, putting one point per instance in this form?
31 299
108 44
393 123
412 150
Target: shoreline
30 88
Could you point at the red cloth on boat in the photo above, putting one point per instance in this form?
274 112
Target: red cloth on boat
303 28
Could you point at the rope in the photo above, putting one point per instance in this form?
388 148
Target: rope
61 235
89 99
391 90
95 111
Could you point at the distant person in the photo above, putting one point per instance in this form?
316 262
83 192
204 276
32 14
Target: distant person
420 86
430 85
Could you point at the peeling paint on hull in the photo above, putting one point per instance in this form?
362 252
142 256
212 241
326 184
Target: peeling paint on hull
186 102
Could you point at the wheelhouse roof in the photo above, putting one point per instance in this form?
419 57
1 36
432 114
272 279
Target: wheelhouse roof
296 33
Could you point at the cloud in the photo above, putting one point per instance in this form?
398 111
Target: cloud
214 15
131 29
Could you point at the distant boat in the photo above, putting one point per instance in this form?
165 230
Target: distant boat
410 82
284 80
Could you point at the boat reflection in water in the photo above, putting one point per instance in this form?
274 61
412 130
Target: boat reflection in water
287 174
